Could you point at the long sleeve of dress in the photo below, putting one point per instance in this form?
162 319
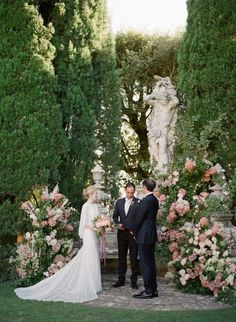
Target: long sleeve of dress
83 220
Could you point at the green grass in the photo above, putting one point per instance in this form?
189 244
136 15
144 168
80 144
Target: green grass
13 309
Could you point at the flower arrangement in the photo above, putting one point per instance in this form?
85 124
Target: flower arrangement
103 224
197 251
49 246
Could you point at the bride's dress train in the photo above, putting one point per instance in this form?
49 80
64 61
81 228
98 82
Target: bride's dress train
78 281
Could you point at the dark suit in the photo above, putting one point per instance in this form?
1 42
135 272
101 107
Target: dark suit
125 239
146 237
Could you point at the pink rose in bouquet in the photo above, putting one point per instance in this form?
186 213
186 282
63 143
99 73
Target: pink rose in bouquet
103 224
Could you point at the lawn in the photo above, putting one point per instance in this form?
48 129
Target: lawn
13 309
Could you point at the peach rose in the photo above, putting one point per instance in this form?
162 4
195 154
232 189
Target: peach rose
204 221
190 164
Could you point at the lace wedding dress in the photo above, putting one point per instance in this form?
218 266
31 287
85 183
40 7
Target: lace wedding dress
78 281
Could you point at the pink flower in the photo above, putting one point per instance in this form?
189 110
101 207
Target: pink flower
202 237
181 193
44 196
216 229
172 234
171 217
27 205
173 247
44 223
182 206
69 227
198 270
204 221
175 255
58 196
172 207
59 258
52 222
203 195
190 164
180 235
162 198
209 172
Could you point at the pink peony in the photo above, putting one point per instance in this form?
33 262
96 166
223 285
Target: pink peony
202 237
52 222
182 206
171 217
190 164
181 193
173 247
216 230
175 255
172 234
204 221
162 198
180 235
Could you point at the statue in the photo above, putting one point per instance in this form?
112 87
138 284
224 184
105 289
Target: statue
161 122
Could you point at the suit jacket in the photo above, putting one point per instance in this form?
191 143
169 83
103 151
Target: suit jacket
145 220
119 215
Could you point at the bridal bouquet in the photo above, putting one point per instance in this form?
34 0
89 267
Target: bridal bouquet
103 224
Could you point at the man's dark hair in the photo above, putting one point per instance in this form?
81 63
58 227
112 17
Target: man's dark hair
150 184
130 184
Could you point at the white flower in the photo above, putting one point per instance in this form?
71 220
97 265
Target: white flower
213 246
209 232
27 236
53 241
190 240
33 217
48 238
59 212
225 254
163 228
183 261
214 240
230 279
182 272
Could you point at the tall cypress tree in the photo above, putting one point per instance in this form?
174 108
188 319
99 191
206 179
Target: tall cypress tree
207 73
83 64
75 93
108 92
31 135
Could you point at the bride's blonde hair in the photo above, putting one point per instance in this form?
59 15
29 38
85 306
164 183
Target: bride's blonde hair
88 191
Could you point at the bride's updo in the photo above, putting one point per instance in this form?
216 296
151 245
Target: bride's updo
88 191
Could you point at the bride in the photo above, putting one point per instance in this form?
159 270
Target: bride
80 280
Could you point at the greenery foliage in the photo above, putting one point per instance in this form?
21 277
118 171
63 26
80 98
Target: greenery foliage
31 137
207 72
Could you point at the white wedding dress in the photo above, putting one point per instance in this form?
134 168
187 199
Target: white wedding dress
78 281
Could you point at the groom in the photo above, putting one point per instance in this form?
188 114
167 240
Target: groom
144 229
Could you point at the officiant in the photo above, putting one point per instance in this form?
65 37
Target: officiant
124 214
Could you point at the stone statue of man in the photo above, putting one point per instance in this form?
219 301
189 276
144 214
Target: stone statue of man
161 122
